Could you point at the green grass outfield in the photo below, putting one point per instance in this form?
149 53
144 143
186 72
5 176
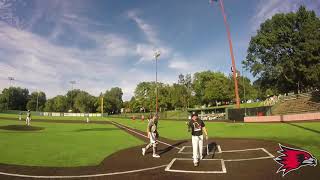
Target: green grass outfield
3 115
62 144
303 135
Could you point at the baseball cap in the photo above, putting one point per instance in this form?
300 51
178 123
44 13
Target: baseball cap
194 114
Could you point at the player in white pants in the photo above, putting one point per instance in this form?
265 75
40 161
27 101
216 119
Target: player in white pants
28 118
153 136
197 127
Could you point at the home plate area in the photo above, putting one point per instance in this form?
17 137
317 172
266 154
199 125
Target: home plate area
215 159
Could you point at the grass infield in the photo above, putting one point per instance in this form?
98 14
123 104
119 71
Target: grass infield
61 144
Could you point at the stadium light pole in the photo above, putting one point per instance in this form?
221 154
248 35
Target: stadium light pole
72 83
10 80
234 70
156 56
37 100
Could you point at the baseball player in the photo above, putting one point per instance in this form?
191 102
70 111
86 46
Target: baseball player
28 118
197 127
153 136
20 116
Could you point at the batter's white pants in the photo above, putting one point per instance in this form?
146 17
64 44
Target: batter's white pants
28 121
197 148
153 143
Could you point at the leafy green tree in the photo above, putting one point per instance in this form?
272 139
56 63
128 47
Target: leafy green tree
113 100
246 90
284 55
145 94
60 104
210 87
49 106
134 105
14 98
217 89
84 102
32 103
178 95
71 95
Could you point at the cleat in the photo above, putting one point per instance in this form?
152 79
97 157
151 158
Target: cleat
143 151
155 156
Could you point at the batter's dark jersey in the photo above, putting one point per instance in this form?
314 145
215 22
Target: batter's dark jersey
196 127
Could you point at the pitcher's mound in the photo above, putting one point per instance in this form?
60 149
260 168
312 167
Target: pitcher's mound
21 128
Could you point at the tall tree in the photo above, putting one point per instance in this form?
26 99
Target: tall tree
49 106
14 98
71 95
285 53
113 100
210 87
177 95
84 102
35 97
60 104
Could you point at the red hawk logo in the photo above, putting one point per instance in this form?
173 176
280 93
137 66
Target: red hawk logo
292 159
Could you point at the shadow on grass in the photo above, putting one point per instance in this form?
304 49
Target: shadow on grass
302 127
21 128
96 129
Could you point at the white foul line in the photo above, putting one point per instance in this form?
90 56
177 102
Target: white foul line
223 167
81 176
184 147
143 134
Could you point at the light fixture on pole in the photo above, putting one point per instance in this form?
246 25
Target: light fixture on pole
10 80
156 56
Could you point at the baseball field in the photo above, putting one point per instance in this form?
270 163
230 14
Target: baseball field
111 148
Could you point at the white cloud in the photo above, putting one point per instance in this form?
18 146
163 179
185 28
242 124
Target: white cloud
266 9
180 64
145 27
36 61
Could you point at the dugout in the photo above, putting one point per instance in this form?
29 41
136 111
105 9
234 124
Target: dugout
239 114
210 113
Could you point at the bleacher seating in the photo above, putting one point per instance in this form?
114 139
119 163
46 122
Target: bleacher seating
295 104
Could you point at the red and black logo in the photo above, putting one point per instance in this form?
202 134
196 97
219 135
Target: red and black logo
292 159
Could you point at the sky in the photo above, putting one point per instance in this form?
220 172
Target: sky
100 44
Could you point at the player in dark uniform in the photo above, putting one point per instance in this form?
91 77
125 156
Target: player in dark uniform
197 127
153 136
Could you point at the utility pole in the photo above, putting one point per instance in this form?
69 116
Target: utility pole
234 70
37 101
156 56
10 83
102 105
72 83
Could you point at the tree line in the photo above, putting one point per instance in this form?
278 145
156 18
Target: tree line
16 98
205 88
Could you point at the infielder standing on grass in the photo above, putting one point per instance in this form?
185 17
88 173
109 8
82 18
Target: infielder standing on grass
153 136
197 128
28 118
